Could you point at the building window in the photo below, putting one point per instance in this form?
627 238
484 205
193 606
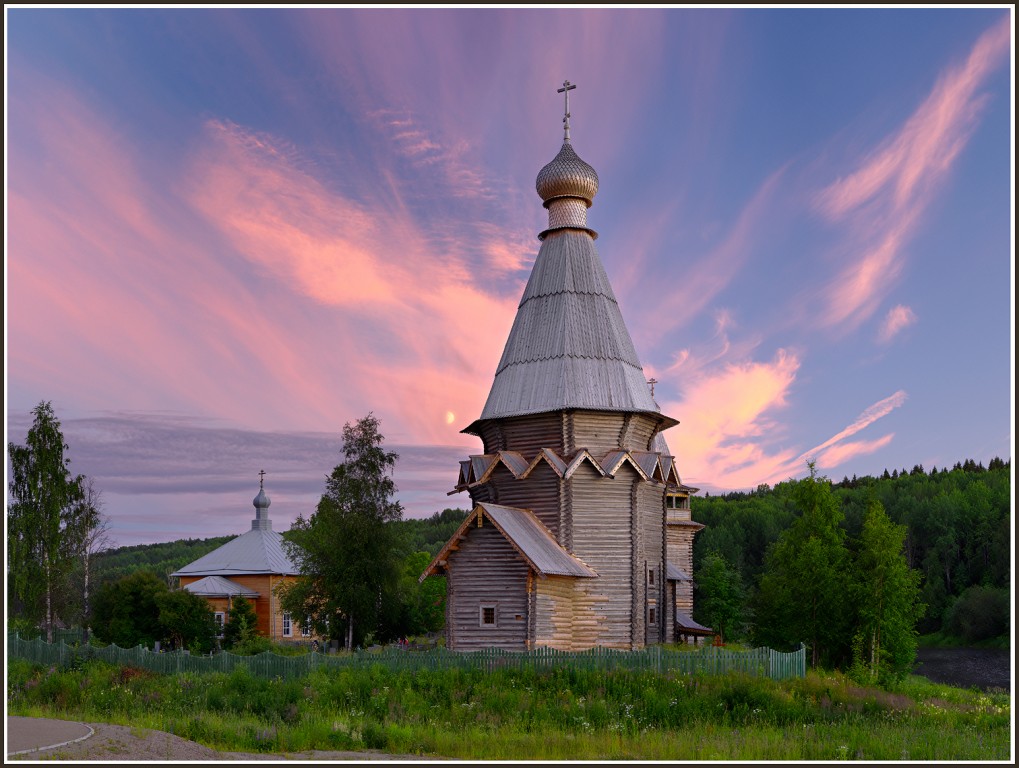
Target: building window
487 615
651 577
306 627
220 621
652 615
288 625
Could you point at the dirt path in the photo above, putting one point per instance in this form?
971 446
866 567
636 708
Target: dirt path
120 742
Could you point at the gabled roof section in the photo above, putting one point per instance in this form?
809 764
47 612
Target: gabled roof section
512 460
568 347
651 464
580 458
612 461
551 458
525 533
256 551
217 586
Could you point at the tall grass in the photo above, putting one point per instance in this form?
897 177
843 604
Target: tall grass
525 714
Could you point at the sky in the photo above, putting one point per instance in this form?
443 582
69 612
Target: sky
229 232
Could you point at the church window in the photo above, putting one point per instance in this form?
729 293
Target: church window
220 621
288 625
652 615
306 627
487 615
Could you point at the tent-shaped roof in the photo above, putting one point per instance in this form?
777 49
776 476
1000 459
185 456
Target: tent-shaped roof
528 536
568 347
217 586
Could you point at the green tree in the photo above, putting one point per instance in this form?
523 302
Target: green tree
346 551
803 590
42 524
887 593
186 620
126 611
241 623
721 597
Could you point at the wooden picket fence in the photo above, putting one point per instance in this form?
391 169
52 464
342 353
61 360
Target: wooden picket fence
709 660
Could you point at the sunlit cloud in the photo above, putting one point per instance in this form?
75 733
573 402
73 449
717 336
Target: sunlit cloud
728 429
838 454
898 318
877 411
884 198
418 326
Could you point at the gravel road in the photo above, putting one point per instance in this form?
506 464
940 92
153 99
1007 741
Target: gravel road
123 743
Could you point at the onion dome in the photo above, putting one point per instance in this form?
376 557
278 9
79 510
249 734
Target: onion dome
567 176
261 502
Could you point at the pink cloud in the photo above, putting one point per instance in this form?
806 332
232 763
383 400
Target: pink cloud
886 196
843 452
727 422
420 331
898 318
877 411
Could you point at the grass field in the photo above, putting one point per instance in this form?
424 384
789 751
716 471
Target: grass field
521 714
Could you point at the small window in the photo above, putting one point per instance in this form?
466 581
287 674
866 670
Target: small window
652 615
220 621
651 577
487 615
288 625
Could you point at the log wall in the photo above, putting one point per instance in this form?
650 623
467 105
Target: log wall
603 538
486 570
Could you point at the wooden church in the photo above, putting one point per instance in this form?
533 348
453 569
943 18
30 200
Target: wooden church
580 534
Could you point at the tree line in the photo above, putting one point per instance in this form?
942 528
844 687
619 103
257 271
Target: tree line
769 559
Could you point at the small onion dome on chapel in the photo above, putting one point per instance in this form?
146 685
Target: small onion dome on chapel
261 501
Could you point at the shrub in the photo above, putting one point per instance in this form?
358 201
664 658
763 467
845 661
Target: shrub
979 613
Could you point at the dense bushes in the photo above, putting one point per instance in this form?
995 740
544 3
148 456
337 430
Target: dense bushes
979 613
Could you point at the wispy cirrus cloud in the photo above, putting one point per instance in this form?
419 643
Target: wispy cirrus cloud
417 328
898 319
877 411
884 198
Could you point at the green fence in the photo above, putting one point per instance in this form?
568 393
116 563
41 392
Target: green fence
763 662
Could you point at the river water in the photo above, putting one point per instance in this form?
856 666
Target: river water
983 668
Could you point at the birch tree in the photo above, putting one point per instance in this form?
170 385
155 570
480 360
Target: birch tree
887 598
44 499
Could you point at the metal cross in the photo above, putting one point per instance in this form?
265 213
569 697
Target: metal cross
567 87
261 477
652 381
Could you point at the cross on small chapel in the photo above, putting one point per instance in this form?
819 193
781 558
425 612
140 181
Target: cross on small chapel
652 381
567 87
261 478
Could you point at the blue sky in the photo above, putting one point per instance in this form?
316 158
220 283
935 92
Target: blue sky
229 232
